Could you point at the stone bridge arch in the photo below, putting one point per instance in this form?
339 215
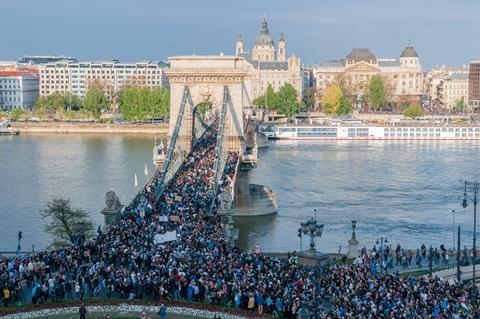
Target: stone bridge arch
206 77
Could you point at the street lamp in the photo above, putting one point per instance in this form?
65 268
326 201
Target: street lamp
453 224
313 229
381 241
475 187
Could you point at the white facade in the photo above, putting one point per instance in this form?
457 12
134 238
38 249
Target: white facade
18 89
75 77
453 89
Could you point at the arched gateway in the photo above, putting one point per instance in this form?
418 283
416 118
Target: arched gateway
213 79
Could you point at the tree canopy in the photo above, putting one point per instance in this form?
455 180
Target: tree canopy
284 101
95 101
413 111
376 89
460 105
331 99
65 223
142 103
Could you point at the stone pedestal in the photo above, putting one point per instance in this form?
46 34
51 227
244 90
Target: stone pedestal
112 210
352 248
312 257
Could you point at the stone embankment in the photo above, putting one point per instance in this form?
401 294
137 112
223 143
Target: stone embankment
91 128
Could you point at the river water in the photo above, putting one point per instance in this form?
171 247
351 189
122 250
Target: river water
401 190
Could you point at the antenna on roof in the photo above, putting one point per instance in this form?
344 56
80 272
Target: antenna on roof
409 43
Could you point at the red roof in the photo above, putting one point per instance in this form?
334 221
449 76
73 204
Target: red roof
24 72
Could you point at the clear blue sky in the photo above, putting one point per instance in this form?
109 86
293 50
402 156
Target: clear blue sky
442 31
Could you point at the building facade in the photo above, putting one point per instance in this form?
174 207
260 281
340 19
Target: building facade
474 86
403 76
76 77
434 79
453 89
18 89
268 64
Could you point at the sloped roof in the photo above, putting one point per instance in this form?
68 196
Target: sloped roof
409 52
361 55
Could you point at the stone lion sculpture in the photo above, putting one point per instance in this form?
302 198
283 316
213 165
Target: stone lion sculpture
112 201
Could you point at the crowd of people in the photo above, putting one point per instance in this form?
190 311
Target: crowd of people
199 264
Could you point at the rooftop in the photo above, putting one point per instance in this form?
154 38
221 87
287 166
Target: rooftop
457 76
361 55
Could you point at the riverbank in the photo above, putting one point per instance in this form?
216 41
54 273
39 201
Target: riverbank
90 128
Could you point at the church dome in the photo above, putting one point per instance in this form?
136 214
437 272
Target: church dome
409 52
361 55
264 38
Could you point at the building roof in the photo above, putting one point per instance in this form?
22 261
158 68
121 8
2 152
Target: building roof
409 52
457 76
264 38
21 72
334 63
361 55
388 63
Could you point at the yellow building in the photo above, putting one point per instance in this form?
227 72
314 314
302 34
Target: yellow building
403 76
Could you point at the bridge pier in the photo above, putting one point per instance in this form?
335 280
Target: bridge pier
253 199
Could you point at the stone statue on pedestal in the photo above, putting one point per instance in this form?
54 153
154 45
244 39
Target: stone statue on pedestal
112 209
353 242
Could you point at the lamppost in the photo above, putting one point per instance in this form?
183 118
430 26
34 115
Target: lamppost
381 241
313 229
453 224
475 187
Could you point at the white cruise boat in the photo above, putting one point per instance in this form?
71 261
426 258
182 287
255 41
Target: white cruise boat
310 132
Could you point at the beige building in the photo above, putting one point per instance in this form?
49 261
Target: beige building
453 89
75 77
403 75
435 77
268 64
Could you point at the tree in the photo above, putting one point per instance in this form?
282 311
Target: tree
344 106
413 111
376 89
141 103
65 223
268 100
95 101
460 105
286 100
331 99
15 114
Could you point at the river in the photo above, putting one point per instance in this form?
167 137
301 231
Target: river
401 190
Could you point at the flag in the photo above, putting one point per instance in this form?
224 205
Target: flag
136 181
146 169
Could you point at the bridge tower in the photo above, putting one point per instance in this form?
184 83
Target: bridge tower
206 77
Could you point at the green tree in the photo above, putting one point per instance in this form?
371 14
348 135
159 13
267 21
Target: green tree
286 100
331 99
460 105
344 106
268 100
376 89
413 111
15 114
95 101
64 222
141 103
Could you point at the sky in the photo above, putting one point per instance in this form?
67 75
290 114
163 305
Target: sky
442 31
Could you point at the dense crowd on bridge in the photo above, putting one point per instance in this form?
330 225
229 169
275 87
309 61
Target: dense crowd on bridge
200 265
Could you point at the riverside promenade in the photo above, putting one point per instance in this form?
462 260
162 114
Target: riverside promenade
88 128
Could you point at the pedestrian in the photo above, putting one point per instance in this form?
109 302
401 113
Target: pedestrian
82 311
162 312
